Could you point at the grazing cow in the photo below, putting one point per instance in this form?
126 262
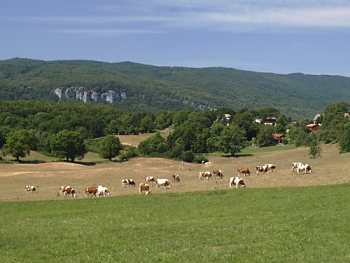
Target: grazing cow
204 175
261 169
102 190
176 178
30 188
244 171
62 187
295 165
218 173
144 188
236 181
91 190
150 179
128 182
70 191
270 167
304 167
163 182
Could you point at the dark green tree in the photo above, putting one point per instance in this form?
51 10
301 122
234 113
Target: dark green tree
344 143
18 144
110 147
69 145
154 144
265 135
315 148
147 125
232 139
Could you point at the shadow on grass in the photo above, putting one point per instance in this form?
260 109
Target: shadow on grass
237 155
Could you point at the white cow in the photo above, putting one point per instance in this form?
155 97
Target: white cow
295 165
270 167
163 182
236 181
31 188
102 190
304 167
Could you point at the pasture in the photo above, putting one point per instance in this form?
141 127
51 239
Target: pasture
279 217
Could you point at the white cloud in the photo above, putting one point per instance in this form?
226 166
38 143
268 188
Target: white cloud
222 15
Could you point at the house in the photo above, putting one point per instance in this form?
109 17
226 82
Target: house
267 121
277 138
314 126
270 121
317 116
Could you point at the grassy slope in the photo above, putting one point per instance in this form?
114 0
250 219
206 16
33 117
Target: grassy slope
252 225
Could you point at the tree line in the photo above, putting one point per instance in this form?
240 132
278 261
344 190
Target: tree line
69 130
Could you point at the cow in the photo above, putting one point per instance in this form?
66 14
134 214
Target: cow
244 171
62 187
270 167
236 181
163 182
218 173
150 179
204 175
102 190
31 188
295 165
304 167
70 191
261 169
91 190
144 188
176 178
128 182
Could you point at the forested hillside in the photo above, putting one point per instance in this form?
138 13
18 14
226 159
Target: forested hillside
135 86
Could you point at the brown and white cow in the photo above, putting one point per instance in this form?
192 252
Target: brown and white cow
244 171
144 188
91 190
163 182
62 187
261 169
150 179
304 167
236 181
31 188
204 175
176 178
128 182
69 191
218 173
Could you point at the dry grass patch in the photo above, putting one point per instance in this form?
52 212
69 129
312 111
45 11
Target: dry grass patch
332 168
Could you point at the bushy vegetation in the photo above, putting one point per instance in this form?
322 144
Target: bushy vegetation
70 130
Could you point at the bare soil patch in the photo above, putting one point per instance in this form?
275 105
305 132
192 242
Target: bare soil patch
331 168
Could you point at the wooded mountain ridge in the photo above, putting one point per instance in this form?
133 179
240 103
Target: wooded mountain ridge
134 86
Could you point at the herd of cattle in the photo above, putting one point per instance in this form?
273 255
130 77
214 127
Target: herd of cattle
237 181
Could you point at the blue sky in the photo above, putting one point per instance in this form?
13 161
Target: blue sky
308 36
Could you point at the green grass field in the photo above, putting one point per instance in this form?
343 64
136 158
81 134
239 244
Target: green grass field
308 224
279 217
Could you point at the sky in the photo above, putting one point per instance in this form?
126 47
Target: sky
289 36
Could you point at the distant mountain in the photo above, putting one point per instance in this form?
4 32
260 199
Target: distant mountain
136 86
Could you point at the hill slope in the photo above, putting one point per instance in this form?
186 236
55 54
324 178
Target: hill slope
135 86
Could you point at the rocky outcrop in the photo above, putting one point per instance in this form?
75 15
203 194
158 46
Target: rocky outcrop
82 94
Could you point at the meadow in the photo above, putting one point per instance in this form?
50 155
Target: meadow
279 217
